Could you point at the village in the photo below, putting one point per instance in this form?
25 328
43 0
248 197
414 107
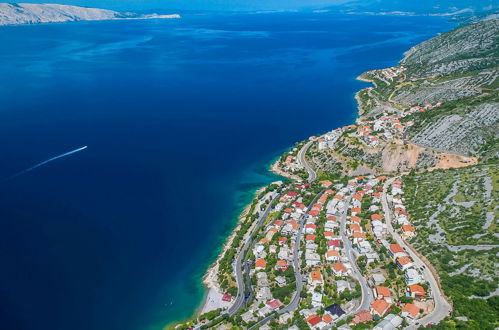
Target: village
325 257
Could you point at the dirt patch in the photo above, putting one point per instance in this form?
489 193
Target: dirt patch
447 161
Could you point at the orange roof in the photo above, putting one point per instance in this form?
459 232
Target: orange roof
338 197
329 192
376 194
357 196
295 226
292 221
264 240
328 234
418 289
339 267
355 218
310 225
404 261
310 237
279 223
376 217
408 228
274 230
327 318
382 178
382 291
317 206
314 213
358 234
331 218
326 183
288 210
354 227
282 239
356 209
395 248
282 263
333 253
412 309
316 275
362 317
260 263
380 306
314 320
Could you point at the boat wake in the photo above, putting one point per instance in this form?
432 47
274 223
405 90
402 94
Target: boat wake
45 162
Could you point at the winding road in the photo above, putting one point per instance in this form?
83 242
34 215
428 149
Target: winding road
301 159
367 297
238 269
442 307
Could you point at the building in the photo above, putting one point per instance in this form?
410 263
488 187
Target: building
411 276
404 262
379 307
416 291
410 311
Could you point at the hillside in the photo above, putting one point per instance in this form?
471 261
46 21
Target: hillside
25 13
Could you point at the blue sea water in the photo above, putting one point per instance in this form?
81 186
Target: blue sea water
181 119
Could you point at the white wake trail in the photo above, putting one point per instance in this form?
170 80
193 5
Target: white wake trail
45 162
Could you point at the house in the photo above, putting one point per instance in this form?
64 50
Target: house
260 264
404 262
315 277
265 310
329 235
410 311
326 318
317 299
379 307
342 285
396 251
377 279
280 280
376 217
334 244
314 213
362 317
262 279
273 249
284 253
263 293
310 237
282 265
390 322
310 228
248 316
416 291
282 241
355 210
353 228
226 297
313 320
411 276
275 304
355 219
339 269
332 255
382 292
408 231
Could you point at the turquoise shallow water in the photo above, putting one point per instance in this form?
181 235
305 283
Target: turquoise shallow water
181 119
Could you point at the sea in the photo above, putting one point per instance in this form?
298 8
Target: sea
181 119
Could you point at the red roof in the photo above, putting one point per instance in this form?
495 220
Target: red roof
395 248
292 193
227 297
314 320
310 237
333 242
274 304
314 213
362 317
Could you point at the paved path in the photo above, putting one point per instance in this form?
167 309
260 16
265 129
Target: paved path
367 296
442 308
303 162
241 258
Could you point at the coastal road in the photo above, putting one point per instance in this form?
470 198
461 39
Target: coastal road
241 259
293 305
442 307
301 159
367 296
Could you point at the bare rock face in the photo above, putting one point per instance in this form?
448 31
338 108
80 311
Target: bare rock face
26 13
469 48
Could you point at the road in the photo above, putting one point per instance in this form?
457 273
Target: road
293 304
367 296
301 159
442 307
241 292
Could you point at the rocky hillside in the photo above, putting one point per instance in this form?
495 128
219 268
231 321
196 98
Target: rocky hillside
25 13
459 70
